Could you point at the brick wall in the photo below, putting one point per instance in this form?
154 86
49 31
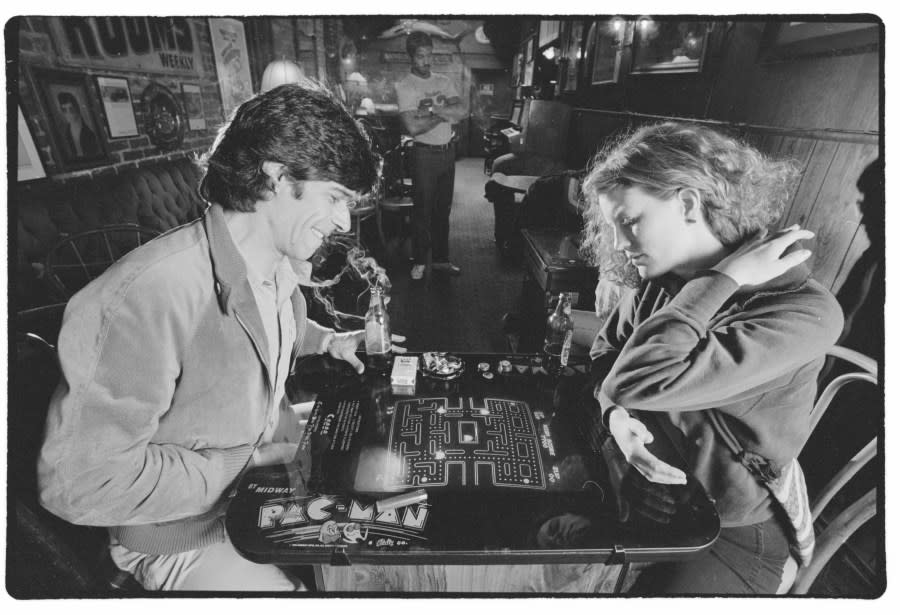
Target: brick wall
36 49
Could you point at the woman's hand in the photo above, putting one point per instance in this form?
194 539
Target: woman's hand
631 435
343 346
763 258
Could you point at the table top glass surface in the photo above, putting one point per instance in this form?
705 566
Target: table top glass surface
509 457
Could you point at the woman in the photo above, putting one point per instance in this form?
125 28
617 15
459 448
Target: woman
726 317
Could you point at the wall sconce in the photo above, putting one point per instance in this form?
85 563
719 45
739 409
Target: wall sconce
279 72
549 53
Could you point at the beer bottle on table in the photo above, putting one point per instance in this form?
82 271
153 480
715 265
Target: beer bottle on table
378 332
560 328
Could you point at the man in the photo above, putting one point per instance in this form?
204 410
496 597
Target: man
429 104
174 361
81 139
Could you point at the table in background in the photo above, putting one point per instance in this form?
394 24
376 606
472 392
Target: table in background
519 483
553 259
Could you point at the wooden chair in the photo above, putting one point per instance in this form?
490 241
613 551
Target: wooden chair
77 259
839 529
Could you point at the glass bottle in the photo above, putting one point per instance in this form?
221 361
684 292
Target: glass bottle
560 328
378 331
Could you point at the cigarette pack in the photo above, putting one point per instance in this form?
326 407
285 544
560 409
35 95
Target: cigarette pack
404 371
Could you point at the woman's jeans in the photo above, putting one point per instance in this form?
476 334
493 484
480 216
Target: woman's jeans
744 560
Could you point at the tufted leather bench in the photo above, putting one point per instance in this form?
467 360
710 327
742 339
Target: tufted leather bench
161 195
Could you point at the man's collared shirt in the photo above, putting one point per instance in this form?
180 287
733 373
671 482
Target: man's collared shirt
273 301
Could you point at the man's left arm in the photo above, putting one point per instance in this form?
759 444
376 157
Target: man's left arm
453 110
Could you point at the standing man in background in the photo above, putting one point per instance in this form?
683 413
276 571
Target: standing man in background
429 104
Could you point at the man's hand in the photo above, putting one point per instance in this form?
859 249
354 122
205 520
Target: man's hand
631 435
343 346
763 258
273 453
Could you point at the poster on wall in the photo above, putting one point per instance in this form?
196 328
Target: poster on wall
118 107
29 161
232 62
193 106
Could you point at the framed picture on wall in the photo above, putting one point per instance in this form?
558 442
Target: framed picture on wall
29 162
662 46
607 42
117 107
573 52
164 120
783 41
528 73
193 106
527 61
549 32
71 111
232 62
517 69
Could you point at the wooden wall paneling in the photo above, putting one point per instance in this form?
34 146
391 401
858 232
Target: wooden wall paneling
839 92
834 215
814 173
799 150
763 141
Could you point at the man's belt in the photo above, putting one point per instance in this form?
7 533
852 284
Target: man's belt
440 148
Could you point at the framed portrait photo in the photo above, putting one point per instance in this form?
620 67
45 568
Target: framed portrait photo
71 111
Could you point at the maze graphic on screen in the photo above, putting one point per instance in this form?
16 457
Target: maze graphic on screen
466 442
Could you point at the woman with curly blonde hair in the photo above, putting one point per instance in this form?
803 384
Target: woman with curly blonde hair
726 318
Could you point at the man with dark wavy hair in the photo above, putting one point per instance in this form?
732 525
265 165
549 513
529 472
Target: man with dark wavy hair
174 361
429 105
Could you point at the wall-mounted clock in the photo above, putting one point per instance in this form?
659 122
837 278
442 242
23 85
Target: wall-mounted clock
164 119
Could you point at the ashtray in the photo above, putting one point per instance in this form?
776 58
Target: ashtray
441 365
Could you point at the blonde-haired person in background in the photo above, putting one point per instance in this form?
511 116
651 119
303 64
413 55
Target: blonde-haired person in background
726 317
